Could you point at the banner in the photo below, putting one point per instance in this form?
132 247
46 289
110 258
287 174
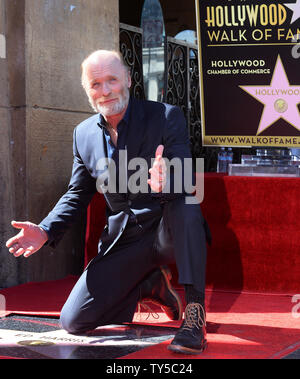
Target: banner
249 59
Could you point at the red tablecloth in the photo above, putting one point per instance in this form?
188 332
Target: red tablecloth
255 224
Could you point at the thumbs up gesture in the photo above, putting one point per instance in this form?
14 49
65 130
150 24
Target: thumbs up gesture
158 172
29 240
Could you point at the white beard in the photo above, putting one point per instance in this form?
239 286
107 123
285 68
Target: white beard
114 108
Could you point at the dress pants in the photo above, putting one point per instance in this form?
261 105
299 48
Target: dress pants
109 289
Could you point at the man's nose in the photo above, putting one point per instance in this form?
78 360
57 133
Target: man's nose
106 89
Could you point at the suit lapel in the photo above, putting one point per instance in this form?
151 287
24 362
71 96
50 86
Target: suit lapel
96 140
136 132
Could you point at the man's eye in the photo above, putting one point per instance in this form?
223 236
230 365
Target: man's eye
95 85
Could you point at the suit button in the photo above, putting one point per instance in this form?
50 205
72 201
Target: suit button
129 203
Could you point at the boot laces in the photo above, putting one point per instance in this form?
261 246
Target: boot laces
152 313
194 316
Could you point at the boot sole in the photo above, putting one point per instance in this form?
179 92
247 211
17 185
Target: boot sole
187 350
168 276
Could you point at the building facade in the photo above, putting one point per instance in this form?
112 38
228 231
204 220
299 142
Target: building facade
42 44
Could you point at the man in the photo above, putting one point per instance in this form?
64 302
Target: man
144 231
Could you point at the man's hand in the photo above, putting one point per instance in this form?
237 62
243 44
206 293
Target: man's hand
29 240
158 172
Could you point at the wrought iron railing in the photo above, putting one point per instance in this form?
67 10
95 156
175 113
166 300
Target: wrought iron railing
181 86
131 47
176 75
194 105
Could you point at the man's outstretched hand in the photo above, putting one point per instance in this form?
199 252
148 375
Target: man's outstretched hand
28 241
158 172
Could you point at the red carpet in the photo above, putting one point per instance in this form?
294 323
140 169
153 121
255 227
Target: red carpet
256 248
242 326
239 325
45 299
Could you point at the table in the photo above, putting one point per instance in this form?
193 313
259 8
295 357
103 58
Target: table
255 225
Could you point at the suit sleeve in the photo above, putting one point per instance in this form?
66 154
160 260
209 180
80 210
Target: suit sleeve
176 149
176 137
69 208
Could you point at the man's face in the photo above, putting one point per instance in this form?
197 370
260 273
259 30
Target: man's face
107 85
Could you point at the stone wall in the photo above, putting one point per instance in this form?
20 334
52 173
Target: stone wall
41 102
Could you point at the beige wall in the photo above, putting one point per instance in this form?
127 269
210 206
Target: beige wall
8 265
41 102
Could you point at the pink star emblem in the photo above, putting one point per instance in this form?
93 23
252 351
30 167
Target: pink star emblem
296 10
279 98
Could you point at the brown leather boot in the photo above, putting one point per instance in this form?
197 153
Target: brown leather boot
191 337
157 288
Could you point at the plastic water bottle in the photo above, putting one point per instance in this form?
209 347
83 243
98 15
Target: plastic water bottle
229 158
222 161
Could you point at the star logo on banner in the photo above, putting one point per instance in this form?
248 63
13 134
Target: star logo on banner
279 98
296 10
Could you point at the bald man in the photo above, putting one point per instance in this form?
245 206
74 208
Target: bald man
146 229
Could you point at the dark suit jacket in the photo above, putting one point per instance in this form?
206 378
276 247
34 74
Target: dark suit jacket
150 125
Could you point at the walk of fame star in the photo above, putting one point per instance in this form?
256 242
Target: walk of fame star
296 10
279 98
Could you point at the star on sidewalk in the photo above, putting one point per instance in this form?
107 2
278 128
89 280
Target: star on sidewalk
296 10
279 98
